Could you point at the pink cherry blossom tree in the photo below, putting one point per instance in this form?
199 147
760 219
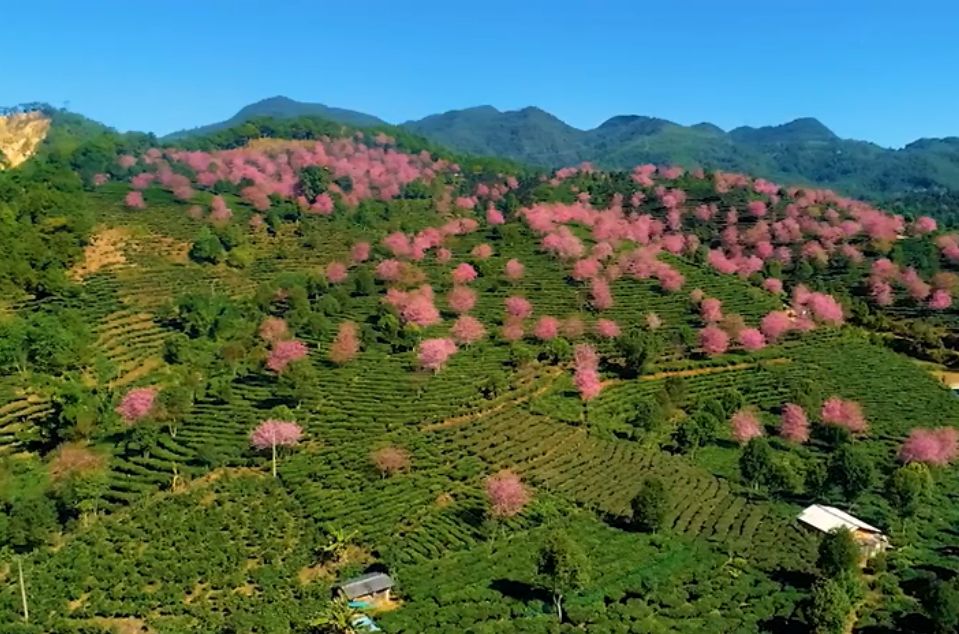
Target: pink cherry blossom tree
744 426
518 307
467 330
461 299
775 324
586 375
463 274
793 424
507 494
845 414
134 200
932 446
336 272
482 251
514 270
137 404
751 339
271 434
433 353
283 353
546 328
360 252
607 328
713 340
940 300
346 344
711 310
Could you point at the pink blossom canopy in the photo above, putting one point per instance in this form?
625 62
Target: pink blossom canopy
137 404
506 493
275 433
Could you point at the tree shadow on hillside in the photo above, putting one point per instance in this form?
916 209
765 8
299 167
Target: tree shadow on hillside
783 625
797 579
520 591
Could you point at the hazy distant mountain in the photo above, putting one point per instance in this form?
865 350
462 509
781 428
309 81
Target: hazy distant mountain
285 108
800 151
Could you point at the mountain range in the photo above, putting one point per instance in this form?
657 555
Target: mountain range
802 151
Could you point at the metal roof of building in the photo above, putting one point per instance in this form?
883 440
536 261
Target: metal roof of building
827 518
370 583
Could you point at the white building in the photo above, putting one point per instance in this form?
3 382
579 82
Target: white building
828 518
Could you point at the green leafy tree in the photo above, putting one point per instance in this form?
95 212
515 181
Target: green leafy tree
30 523
756 462
851 470
829 607
909 487
207 247
640 351
695 431
336 618
941 603
563 568
314 180
839 553
649 505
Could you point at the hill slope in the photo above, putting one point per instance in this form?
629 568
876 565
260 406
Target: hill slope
429 322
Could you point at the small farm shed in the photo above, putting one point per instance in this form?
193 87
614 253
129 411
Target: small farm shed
373 586
824 518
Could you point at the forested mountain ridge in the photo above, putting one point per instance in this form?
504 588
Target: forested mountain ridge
237 369
801 151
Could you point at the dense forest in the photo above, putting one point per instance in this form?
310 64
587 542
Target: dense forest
241 367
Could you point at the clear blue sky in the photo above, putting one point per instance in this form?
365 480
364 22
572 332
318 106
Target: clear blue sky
880 70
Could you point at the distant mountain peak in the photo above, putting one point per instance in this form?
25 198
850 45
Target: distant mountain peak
804 129
283 107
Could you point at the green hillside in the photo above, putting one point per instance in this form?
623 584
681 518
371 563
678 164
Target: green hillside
458 362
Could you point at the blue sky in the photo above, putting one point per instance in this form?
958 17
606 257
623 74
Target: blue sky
877 70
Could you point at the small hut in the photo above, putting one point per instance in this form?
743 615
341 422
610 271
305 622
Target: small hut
371 587
828 518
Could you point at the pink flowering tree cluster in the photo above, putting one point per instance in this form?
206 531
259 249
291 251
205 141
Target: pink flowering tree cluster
467 330
793 423
461 299
272 434
137 404
433 353
607 328
744 426
931 446
586 374
336 272
283 353
518 307
845 414
346 344
710 309
134 200
546 328
514 270
506 493
713 340
415 307
463 274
